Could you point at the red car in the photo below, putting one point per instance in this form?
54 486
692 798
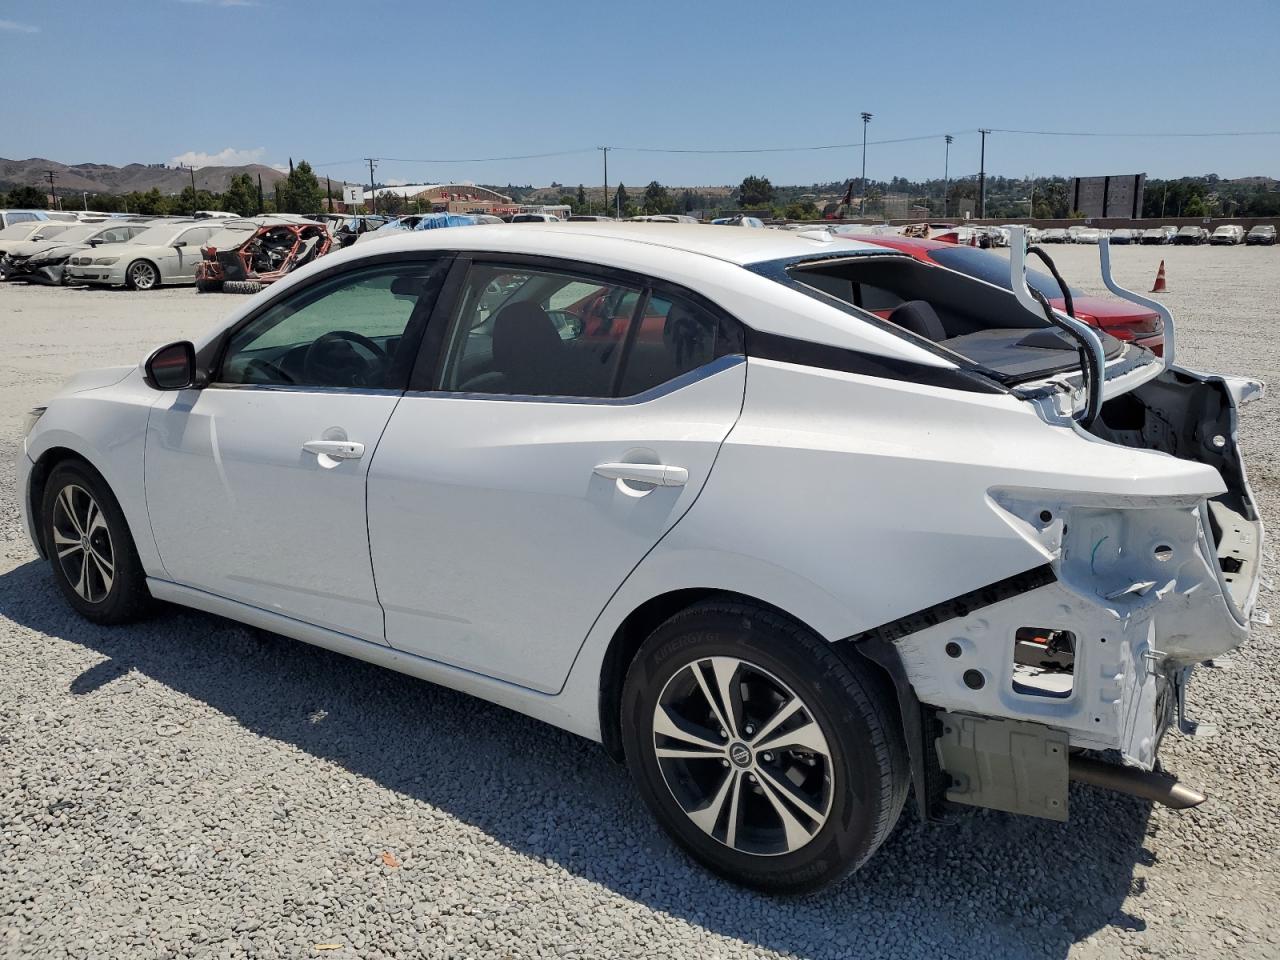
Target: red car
1124 321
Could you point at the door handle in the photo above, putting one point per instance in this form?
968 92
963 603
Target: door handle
335 449
658 474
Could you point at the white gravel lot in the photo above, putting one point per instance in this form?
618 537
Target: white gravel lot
189 788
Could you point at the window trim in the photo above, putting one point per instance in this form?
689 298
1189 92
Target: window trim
210 358
428 372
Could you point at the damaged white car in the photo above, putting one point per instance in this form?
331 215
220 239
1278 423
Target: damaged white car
697 494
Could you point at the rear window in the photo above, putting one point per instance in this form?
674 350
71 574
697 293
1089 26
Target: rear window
994 269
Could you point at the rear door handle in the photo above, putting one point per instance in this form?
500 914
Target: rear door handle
336 449
659 474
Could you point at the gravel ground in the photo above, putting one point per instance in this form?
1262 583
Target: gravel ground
190 788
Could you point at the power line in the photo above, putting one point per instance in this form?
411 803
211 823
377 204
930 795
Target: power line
523 156
824 146
1086 133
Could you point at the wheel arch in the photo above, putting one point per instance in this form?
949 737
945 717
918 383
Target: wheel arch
637 625
40 470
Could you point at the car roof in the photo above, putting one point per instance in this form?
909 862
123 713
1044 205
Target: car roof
740 247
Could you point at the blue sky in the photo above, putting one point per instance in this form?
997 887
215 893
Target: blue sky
241 80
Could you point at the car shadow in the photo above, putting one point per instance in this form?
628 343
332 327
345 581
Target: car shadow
1001 885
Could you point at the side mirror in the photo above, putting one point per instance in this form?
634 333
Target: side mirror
179 243
172 367
95 241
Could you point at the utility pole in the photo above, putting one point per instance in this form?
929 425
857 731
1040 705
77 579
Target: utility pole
328 192
605 152
53 190
982 177
84 195
373 162
862 207
261 203
946 173
192 170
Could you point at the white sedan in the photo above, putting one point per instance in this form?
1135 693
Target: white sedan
789 522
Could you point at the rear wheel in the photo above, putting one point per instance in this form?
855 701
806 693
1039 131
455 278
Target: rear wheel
759 750
142 275
89 546
241 286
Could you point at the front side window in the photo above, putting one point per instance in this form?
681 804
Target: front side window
534 332
347 331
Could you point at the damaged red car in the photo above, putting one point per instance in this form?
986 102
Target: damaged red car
246 255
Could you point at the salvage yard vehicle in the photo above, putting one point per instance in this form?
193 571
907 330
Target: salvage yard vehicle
167 252
424 221
1264 234
25 236
1228 234
1054 235
1159 235
59 234
48 265
784 557
1191 235
244 255
1122 319
9 217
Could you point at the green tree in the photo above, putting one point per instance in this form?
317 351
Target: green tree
801 210
241 196
28 198
152 203
621 201
300 191
190 202
755 192
580 204
656 199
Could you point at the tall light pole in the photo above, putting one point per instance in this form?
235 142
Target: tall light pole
373 191
946 173
605 151
862 207
982 177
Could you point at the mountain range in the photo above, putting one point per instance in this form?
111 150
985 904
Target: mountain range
104 178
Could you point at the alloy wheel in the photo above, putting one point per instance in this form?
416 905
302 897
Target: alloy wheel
82 542
743 756
143 276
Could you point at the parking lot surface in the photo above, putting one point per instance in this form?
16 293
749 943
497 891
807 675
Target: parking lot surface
190 788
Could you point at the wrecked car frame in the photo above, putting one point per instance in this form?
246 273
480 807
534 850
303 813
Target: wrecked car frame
258 251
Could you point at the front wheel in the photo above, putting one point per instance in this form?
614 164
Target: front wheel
89 547
142 275
763 753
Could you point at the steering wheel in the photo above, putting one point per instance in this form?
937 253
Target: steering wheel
265 368
333 361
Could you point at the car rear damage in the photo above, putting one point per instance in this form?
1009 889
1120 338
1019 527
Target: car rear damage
1078 668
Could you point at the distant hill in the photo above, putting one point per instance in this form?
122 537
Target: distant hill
104 178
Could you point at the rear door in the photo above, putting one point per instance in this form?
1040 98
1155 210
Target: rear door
557 433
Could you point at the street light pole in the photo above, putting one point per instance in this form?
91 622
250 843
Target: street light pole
982 177
605 152
866 119
946 173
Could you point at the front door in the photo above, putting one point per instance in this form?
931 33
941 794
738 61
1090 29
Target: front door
256 484
573 421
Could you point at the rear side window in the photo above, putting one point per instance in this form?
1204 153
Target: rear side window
673 337
527 332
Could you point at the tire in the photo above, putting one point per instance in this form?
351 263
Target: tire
208 286
142 275
101 577
840 752
241 286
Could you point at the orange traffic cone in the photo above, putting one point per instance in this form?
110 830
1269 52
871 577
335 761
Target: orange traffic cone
1158 287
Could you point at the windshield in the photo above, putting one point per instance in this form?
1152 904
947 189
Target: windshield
20 231
75 234
159 235
994 269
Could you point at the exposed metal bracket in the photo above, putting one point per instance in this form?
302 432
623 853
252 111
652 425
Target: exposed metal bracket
1170 340
1005 765
1186 726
